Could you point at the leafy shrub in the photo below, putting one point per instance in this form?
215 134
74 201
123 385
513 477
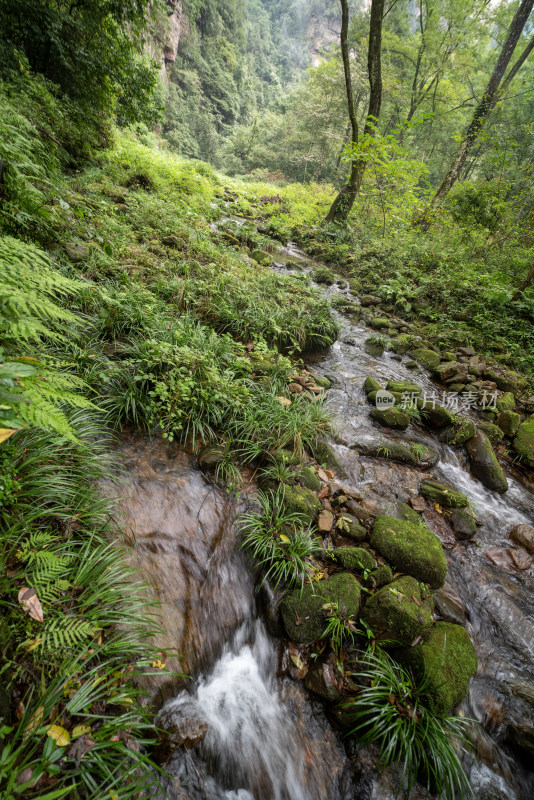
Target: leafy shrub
278 540
389 711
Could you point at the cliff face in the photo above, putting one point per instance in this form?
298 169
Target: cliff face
174 30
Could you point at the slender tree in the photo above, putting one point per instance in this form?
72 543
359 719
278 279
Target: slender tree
342 205
490 97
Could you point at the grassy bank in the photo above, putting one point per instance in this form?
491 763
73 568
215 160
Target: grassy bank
120 305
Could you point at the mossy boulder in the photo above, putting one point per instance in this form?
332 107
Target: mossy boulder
309 479
440 493
353 558
354 284
262 257
428 358
459 432
446 660
323 454
398 614
506 402
391 417
524 441
323 275
350 526
379 322
403 386
371 385
379 577
404 452
410 548
303 614
210 457
484 463
298 499
434 415
285 458
492 431
448 370
464 523
401 344
509 422
320 380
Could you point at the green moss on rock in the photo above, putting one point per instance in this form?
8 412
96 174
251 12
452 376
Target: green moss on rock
493 432
309 479
524 441
395 617
354 558
379 577
403 386
263 258
509 422
506 402
298 499
428 358
411 548
484 462
371 385
350 526
459 433
442 494
303 614
391 417
446 661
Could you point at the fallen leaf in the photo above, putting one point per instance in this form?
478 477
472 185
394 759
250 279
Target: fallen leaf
323 492
80 747
416 641
285 539
28 598
416 601
297 660
158 663
60 735
80 730
5 433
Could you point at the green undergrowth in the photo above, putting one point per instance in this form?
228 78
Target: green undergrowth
120 306
456 280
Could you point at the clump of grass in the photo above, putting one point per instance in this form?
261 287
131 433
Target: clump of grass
278 540
389 711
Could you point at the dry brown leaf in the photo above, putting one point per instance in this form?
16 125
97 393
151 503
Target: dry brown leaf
5 433
28 598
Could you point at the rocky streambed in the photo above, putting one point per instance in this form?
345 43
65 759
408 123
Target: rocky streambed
400 504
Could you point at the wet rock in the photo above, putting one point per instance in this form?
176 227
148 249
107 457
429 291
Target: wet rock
353 558
372 397
411 548
464 523
211 457
447 661
487 785
447 370
309 479
521 559
523 535
466 351
403 386
322 381
77 252
295 388
391 417
325 521
302 501
434 415
509 422
493 432
506 402
302 611
404 452
449 606
321 679
484 463
459 433
440 493
371 385
523 443
357 511
398 614
182 721
428 358
324 455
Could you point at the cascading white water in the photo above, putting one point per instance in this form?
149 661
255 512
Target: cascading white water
255 742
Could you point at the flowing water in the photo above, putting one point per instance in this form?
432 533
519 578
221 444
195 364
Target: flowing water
267 739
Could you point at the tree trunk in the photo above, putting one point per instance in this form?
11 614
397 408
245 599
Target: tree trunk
489 98
526 283
342 205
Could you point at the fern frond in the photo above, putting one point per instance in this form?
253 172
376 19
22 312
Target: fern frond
65 633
